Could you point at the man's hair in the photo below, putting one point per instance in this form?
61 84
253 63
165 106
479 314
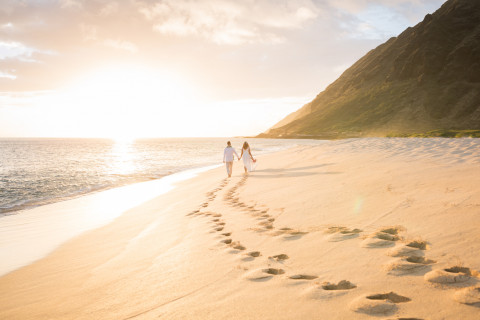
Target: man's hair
228 143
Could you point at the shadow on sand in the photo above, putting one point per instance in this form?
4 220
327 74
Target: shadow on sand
292 172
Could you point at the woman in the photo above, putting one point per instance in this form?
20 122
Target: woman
248 161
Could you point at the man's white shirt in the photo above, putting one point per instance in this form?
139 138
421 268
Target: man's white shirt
228 154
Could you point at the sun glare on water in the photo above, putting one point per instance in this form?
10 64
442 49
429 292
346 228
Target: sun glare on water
124 103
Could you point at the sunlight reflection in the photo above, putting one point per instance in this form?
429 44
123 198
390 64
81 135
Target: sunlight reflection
123 157
357 207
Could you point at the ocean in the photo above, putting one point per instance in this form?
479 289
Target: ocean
35 172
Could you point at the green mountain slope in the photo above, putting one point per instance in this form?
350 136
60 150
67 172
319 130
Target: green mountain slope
427 78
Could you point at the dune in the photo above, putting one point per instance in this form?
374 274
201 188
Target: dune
350 229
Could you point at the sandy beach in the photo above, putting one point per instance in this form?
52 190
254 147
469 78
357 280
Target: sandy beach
352 229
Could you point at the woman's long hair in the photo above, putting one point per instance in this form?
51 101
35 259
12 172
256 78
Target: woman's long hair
245 145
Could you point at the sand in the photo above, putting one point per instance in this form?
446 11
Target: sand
352 229
48 226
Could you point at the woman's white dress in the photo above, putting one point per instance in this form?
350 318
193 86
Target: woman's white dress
247 160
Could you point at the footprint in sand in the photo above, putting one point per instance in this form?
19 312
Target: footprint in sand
227 234
250 256
418 244
279 257
382 303
342 285
289 233
456 274
408 265
193 212
266 225
338 233
385 237
237 246
263 274
470 296
294 235
303 277
414 248
329 290
274 271
227 241
218 229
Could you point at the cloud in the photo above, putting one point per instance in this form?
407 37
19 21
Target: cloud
89 32
7 26
229 22
271 46
121 44
19 51
109 9
7 75
76 4
379 19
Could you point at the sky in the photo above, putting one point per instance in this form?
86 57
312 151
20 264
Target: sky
179 68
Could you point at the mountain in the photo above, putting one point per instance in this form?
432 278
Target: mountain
426 79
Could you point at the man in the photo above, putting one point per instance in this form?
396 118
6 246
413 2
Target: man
228 157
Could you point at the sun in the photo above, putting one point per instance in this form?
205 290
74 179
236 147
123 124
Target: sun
126 102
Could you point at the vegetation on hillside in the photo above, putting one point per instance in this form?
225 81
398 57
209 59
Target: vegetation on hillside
426 82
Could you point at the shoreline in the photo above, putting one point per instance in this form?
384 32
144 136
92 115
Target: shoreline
126 169
311 234
19 209
48 226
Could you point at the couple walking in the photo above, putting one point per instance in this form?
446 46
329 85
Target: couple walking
248 159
